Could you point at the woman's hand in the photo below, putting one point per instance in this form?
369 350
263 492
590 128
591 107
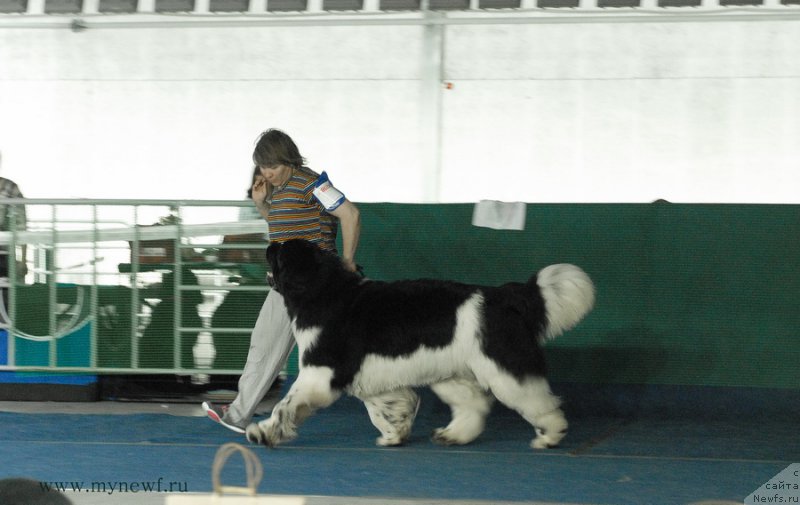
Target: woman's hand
259 192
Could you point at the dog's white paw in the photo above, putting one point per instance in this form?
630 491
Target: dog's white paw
389 441
547 439
253 434
270 433
445 436
540 443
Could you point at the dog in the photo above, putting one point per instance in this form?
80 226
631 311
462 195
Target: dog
377 340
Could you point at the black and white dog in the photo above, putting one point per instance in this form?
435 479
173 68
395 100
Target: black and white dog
376 340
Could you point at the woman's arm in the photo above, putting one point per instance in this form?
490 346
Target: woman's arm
350 219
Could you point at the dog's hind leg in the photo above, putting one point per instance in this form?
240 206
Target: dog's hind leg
469 405
535 402
311 391
393 414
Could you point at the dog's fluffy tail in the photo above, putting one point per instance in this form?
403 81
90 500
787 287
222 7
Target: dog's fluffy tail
568 296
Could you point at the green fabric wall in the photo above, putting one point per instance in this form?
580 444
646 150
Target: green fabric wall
686 294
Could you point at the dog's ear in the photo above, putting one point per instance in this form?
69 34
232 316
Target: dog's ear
272 253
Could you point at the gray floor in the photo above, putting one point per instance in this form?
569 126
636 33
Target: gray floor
104 407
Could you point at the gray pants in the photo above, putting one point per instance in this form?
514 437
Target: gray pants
270 344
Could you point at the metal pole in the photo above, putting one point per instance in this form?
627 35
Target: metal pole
93 306
51 291
135 307
431 103
178 281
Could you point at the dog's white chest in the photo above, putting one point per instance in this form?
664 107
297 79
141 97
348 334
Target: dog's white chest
305 337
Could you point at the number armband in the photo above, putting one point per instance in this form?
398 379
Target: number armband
329 197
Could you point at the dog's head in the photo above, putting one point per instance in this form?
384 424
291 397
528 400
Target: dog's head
299 267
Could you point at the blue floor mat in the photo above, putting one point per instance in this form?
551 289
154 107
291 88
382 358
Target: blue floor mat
403 473
603 460
774 440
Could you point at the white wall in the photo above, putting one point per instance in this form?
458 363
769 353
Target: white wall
690 112
588 112
174 113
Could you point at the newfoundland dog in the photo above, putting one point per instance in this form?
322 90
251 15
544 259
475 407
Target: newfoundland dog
377 340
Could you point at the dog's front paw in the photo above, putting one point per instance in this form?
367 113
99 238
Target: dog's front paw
253 434
270 433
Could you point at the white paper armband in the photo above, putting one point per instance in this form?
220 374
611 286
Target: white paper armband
329 197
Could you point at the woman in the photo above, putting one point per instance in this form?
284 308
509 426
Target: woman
297 204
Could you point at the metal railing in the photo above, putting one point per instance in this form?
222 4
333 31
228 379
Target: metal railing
89 14
131 286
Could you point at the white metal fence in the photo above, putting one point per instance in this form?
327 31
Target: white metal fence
131 286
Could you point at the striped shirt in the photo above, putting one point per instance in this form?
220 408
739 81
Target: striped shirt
295 213
9 189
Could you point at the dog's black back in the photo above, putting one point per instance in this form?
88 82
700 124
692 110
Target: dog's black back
394 319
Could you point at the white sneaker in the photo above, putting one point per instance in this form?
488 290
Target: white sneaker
217 414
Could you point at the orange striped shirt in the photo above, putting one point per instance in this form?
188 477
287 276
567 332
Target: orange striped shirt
295 213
